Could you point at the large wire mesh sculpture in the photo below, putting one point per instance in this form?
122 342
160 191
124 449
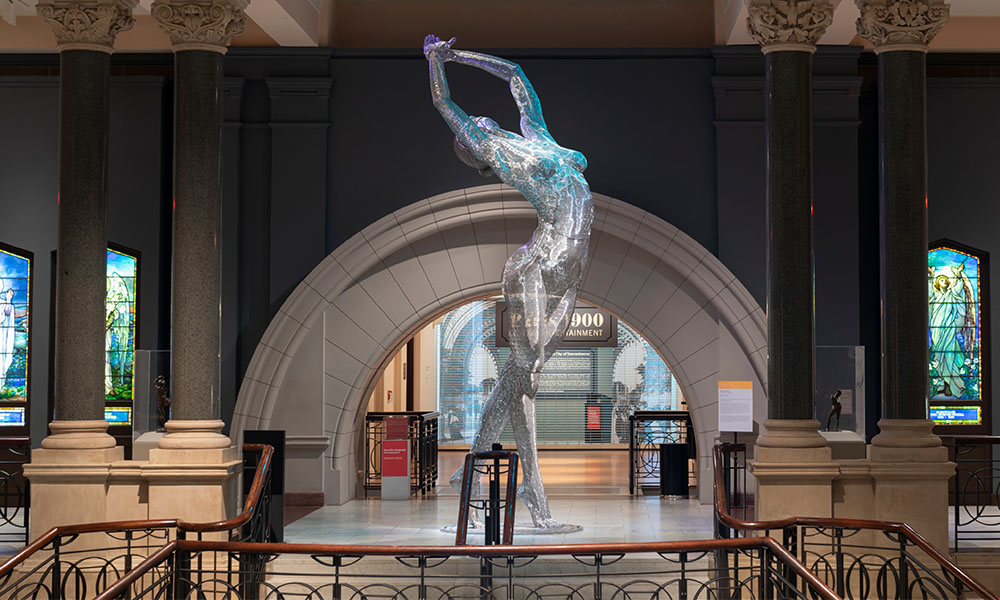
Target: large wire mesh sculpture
540 279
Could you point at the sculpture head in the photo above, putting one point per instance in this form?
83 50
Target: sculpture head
465 155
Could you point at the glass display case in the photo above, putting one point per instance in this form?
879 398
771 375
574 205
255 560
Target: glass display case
840 389
149 365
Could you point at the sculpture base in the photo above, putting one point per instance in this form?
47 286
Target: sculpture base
524 529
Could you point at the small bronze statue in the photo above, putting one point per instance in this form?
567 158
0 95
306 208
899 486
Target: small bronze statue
162 403
835 408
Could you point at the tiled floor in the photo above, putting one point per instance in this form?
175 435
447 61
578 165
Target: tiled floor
419 521
588 488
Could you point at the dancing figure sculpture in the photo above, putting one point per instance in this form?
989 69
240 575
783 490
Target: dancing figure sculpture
540 279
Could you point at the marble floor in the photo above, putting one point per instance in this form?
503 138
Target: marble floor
587 488
605 519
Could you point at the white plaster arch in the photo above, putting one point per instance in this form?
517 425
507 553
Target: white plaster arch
390 279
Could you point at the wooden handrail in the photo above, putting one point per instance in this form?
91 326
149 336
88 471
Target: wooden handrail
772 545
263 467
902 528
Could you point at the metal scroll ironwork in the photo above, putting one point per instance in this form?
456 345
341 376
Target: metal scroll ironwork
423 435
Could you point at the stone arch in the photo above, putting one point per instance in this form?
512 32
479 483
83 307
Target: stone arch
368 296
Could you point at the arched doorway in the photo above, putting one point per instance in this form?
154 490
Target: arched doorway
351 313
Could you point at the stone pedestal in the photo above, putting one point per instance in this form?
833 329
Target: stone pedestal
69 475
793 471
910 470
194 474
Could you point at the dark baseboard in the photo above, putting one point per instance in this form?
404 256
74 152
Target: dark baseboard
305 499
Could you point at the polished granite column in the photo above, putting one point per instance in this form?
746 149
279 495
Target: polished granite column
907 459
900 31
793 469
85 33
790 319
194 472
69 474
200 32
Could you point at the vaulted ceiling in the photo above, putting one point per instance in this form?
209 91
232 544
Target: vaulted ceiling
974 24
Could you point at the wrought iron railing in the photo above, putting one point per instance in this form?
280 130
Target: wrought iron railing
975 490
423 437
664 570
647 429
733 479
856 558
14 490
78 561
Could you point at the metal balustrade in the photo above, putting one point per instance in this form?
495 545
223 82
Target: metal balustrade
79 561
856 558
423 436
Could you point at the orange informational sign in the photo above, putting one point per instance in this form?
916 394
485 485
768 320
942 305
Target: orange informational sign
593 417
395 459
735 406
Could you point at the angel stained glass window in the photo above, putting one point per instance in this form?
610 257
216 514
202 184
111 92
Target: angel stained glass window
119 332
954 336
15 294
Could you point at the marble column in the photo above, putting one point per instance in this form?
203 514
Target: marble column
200 32
194 471
70 472
793 469
907 459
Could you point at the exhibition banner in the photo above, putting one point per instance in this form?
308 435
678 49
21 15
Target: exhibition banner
735 406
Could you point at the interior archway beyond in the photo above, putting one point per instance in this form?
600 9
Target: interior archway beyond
334 332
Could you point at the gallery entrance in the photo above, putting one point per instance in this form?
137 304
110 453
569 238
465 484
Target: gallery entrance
319 362
603 375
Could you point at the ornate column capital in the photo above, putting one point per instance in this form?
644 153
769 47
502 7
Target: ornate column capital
87 24
200 24
901 24
788 24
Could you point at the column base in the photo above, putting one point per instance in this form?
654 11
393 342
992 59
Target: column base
194 435
69 475
793 471
78 435
908 463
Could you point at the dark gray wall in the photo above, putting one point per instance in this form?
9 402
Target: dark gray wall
963 155
318 144
135 212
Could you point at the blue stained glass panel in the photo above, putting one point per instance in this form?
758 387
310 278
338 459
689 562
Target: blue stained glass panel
120 325
11 416
953 334
15 271
117 415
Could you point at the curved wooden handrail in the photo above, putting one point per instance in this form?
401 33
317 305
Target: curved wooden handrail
263 467
772 545
902 528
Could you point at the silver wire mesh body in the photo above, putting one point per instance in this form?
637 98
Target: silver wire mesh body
540 279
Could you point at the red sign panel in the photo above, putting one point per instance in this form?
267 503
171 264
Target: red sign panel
593 417
397 428
395 458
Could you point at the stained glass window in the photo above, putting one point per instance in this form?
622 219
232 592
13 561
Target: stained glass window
15 275
954 333
120 325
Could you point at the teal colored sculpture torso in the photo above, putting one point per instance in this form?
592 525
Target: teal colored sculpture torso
540 279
